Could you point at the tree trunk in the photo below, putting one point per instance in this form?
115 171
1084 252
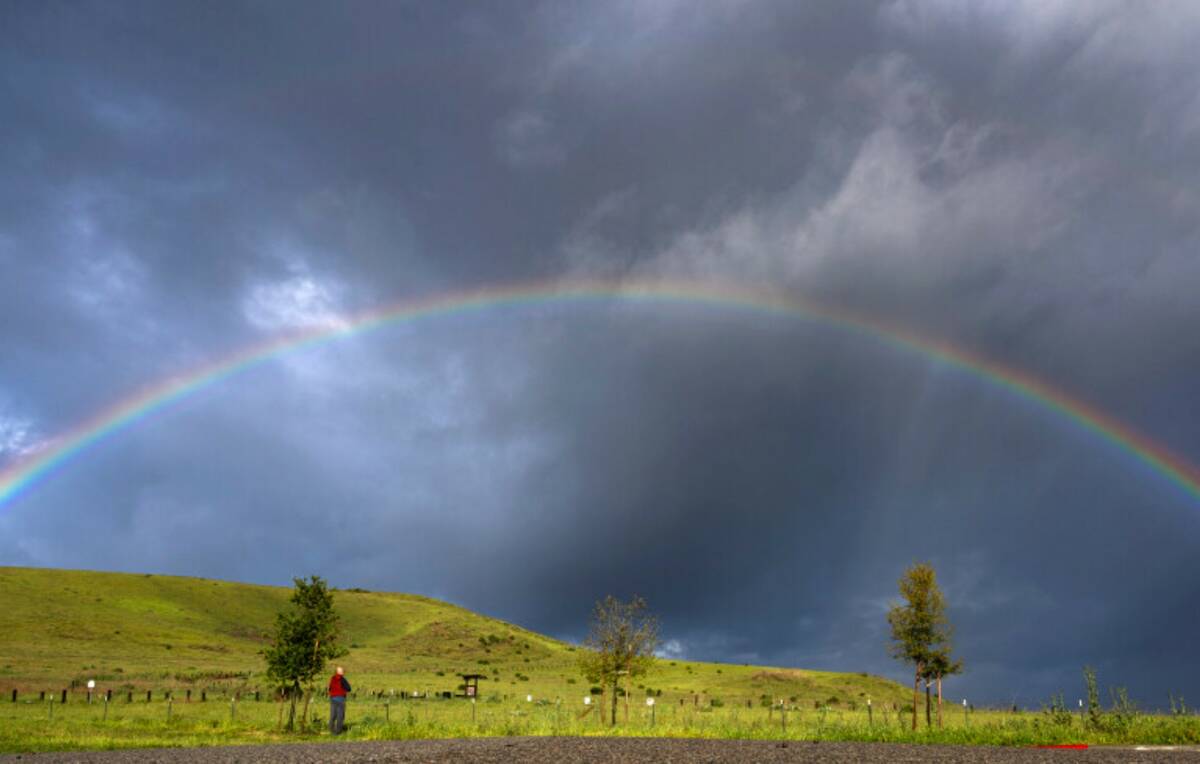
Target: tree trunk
916 694
939 683
928 715
614 703
628 679
291 725
304 717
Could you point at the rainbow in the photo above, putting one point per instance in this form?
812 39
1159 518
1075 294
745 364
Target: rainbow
18 477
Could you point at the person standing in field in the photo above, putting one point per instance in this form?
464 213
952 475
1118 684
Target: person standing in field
338 687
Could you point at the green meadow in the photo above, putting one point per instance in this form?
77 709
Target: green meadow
193 645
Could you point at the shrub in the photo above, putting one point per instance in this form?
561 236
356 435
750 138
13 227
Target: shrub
1057 712
1095 717
1124 711
1179 709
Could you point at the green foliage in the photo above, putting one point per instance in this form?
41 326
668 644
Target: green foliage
940 664
620 643
1178 706
1124 711
1095 713
918 624
921 631
1056 712
306 637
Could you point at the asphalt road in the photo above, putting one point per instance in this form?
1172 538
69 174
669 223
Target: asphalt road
549 749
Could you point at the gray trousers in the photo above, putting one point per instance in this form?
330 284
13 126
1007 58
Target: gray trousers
337 715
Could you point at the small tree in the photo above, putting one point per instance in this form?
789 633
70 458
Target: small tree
621 642
919 624
306 636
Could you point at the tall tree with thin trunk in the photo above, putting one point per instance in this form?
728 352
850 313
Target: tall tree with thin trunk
919 624
621 643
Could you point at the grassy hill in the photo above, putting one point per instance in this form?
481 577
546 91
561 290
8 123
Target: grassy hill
134 632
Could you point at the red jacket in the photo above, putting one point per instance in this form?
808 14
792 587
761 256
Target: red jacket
338 686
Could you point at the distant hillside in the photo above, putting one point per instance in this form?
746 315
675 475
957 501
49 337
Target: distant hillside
129 632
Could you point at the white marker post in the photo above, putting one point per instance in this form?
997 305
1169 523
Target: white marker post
91 686
650 702
870 716
966 721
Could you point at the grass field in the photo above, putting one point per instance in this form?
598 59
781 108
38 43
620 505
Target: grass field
168 635
28 726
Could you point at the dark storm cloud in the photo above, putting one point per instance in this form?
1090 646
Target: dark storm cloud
182 181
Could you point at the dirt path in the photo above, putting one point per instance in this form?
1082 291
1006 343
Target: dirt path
548 749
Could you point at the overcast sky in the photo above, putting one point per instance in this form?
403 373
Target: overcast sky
180 181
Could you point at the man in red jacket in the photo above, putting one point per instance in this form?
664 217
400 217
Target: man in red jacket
338 687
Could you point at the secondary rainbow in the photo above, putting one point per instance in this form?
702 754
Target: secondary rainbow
20 476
